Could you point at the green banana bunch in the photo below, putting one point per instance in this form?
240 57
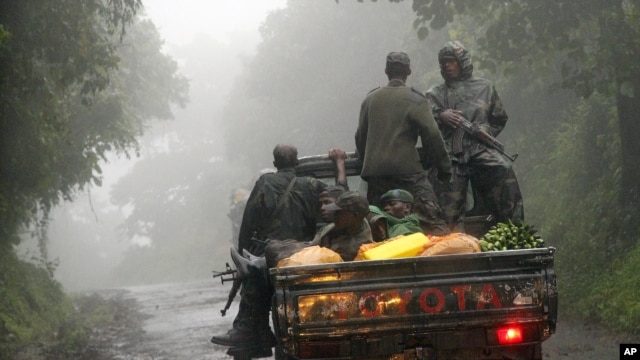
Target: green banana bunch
510 236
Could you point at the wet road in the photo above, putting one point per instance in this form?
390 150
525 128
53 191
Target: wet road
180 319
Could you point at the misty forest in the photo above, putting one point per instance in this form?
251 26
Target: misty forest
86 84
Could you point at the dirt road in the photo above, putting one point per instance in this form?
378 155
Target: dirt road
179 319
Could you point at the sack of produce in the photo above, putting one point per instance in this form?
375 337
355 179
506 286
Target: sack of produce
311 255
456 243
277 250
398 247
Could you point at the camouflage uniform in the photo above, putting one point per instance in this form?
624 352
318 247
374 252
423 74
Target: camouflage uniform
490 172
347 245
391 119
296 219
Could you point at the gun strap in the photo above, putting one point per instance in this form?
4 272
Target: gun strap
284 197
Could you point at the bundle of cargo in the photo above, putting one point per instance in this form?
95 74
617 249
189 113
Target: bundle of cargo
511 236
419 244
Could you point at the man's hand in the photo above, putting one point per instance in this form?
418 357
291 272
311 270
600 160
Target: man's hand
451 117
337 155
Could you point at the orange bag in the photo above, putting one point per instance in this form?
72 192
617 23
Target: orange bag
456 243
311 255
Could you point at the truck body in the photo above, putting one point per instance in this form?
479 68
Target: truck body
488 305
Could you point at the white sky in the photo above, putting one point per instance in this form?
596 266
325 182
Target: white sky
179 21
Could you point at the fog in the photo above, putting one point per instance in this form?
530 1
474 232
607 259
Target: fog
260 73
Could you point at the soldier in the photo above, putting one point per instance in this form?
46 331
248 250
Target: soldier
349 229
397 215
391 119
280 206
490 172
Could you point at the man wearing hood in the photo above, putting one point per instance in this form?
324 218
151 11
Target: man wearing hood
464 96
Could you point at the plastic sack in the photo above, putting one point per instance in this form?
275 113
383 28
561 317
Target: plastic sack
365 247
311 255
277 250
456 243
398 247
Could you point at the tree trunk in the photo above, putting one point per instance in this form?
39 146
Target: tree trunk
627 77
629 122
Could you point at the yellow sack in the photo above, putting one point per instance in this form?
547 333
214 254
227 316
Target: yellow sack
456 243
311 255
398 247
365 247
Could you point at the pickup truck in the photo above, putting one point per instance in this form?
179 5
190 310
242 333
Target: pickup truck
488 305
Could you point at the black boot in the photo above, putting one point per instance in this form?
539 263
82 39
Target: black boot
242 333
251 325
250 330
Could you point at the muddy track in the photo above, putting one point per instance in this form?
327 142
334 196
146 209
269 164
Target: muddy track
175 321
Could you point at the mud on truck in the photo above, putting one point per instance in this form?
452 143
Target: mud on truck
483 305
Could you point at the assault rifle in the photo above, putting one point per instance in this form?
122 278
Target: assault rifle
229 274
481 135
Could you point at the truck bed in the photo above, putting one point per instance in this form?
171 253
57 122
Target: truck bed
447 306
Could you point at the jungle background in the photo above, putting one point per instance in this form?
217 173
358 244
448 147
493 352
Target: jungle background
86 84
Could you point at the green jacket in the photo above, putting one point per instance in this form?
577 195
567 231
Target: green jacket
409 224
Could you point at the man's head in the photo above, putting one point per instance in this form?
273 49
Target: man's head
329 196
455 61
285 156
397 202
350 209
398 65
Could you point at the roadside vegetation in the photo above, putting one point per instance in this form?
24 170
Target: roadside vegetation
38 320
567 77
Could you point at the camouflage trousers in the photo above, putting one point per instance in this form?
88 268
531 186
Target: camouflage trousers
425 203
493 178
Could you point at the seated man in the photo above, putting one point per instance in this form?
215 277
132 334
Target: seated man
397 215
326 197
349 229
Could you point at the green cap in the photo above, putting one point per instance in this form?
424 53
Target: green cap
397 195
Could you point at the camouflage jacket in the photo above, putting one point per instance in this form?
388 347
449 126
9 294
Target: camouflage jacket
296 219
476 97
347 245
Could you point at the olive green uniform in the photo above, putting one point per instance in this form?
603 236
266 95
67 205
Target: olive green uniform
391 119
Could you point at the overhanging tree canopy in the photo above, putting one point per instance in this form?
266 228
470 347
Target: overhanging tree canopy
73 86
594 44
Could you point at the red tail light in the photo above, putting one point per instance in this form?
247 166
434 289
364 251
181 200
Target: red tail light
509 335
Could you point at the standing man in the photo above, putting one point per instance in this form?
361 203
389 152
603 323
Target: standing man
280 206
464 96
391 119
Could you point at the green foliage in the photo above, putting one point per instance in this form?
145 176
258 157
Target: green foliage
314 67
614 301
589 47
72 88
577 203
33 306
